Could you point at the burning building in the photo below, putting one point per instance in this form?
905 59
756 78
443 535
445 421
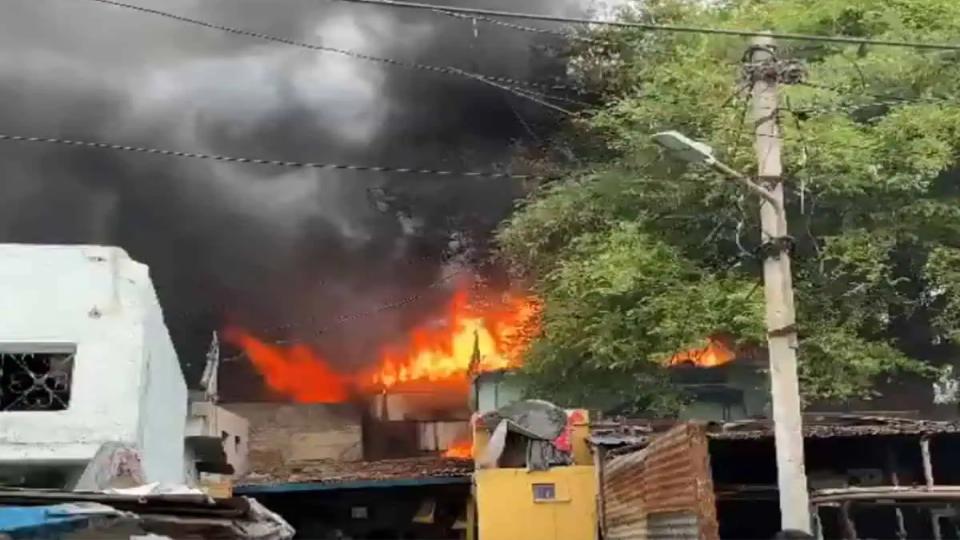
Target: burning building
723 383
351 443
417 390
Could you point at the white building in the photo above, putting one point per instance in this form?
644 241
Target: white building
85 359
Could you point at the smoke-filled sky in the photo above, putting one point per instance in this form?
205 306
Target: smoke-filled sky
260 246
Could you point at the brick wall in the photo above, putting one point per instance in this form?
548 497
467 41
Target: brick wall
287 434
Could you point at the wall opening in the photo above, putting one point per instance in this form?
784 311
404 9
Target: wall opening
35 381
544 492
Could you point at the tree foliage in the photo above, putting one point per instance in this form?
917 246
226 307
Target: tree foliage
637 255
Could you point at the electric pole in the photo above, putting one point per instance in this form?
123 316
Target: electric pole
764 72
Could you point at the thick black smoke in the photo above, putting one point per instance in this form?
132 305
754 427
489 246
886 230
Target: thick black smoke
259 246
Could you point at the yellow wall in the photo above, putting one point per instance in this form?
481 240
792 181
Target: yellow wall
578 438
506 509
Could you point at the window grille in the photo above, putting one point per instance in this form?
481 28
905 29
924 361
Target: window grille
35 381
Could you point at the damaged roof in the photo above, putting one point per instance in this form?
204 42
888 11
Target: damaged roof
331 474
825 427
634 433
33 512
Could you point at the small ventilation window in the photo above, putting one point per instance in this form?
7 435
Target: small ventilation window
544 492
35 381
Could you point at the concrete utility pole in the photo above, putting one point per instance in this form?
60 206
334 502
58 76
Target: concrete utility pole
778 290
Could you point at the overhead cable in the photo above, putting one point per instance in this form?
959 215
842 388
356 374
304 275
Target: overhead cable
526 94
662 27
502 83
522 28
259 161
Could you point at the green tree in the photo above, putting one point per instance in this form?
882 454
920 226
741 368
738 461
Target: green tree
637 255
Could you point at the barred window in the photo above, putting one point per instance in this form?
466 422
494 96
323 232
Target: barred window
35 381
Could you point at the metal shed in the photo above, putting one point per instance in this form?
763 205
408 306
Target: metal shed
869 477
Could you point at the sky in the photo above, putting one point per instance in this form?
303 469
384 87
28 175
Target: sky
278 251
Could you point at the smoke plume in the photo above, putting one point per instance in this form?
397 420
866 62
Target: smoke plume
279 251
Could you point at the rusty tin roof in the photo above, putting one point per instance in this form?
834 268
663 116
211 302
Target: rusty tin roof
331 474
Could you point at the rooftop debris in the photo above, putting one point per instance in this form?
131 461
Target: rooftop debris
57 519
824 427
177 515
342 472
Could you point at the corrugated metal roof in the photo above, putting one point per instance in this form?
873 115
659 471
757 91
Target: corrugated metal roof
330 474
836 427
636 434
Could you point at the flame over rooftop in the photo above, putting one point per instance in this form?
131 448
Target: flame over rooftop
475 334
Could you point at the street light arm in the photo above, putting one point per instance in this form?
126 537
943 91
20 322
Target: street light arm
753 186
693 151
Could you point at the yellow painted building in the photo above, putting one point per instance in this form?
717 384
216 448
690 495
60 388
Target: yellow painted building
557 504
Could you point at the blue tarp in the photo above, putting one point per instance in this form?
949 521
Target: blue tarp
51 521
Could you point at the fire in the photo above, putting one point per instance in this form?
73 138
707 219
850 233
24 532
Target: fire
294 371
471 338
715 354
460 450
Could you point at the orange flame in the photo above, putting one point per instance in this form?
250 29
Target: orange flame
715 354
296 371
460 450
471 339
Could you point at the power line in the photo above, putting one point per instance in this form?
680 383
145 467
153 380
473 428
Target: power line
526 94
662 27
259 161
502 83
522 28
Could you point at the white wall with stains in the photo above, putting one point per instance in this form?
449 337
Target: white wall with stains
127 385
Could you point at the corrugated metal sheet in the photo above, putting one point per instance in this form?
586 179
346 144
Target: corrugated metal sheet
664 491
624 514
673 525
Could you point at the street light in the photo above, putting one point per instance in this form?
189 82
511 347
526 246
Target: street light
693 151
780 317
685 147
